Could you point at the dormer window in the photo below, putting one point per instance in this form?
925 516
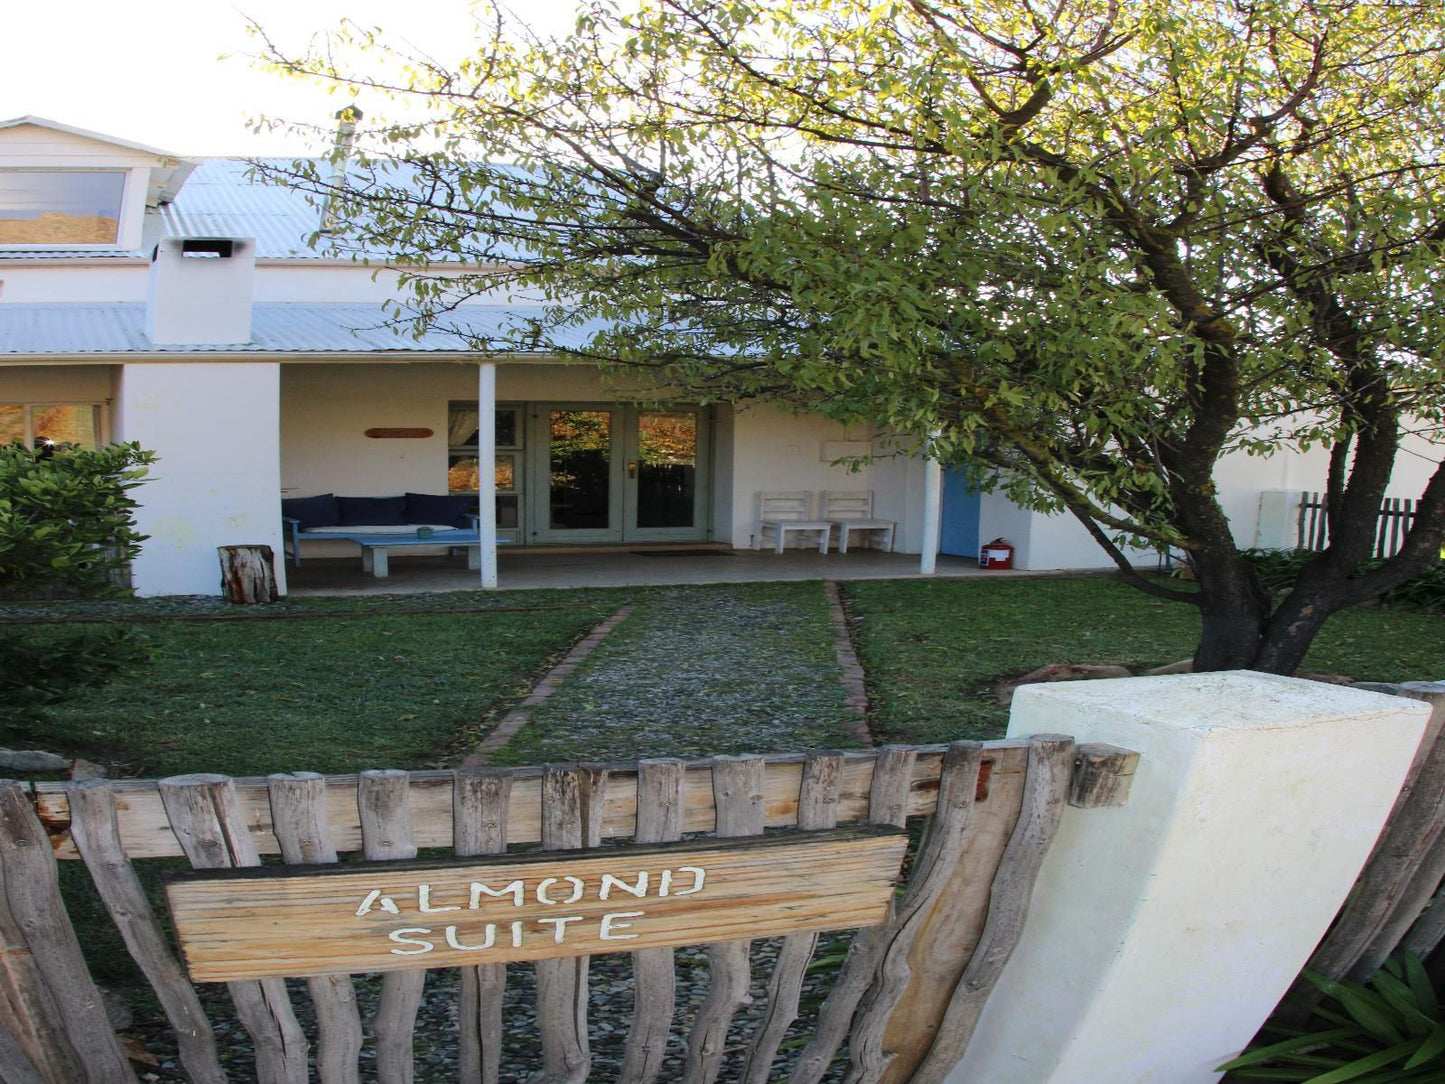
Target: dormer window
69 207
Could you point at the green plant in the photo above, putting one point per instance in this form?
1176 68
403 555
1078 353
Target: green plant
1425 592
66 518
1388 1030
1278 569
42 667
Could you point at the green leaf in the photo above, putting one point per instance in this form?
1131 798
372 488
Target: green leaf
1372 1013
1431 1049
1366 1064
1421 986
1301 1042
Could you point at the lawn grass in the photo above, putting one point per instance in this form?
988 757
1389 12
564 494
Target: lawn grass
934 650
346 689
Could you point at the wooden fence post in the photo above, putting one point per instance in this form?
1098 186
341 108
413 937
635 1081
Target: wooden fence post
480 798
208 823
383 798
1403 872
1163 932
35 912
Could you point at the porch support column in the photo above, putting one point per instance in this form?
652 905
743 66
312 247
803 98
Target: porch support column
932 512
487 470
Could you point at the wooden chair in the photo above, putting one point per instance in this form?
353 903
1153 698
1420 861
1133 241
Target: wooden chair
853 511
784 512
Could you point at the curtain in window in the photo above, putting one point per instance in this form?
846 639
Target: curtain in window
462 425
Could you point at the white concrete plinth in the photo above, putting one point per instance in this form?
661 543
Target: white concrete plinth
1163 932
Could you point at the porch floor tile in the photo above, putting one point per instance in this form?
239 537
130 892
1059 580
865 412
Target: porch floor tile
539 568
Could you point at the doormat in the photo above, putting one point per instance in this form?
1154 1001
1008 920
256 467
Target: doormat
681 553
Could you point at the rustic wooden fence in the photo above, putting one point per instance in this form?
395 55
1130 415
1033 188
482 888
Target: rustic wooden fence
1397 514
1398 903
901 1005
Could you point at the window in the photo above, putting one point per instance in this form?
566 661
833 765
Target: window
60 207
463 463
32 424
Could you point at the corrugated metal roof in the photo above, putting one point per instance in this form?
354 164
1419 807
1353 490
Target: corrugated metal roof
80 329
221 199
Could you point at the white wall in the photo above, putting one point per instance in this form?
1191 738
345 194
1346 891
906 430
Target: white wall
778 451
56 383
34 145
216 430
1247 484
326 410
999 517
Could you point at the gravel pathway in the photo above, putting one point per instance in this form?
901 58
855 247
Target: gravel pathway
699 671
691 671
609 1018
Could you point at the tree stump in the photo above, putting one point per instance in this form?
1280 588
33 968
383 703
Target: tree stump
248 574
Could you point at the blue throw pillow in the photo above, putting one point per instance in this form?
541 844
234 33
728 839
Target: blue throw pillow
449 508
319 511
372 511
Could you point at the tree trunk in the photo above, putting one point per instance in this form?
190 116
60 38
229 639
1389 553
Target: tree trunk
248 574
1234 610
1291 631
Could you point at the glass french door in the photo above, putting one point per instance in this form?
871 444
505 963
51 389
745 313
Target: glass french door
604 472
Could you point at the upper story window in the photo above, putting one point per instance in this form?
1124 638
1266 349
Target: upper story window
61 207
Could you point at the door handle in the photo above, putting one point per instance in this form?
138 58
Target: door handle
632 468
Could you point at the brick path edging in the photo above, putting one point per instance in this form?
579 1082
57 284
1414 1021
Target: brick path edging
506 729
855 692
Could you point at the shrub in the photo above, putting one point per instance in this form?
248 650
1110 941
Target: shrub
1278 569
40 666
66 519
1425 592
67 527
1390 1030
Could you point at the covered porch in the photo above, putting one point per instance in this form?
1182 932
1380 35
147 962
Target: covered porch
538 568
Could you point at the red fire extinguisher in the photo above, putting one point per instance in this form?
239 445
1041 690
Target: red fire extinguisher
997 554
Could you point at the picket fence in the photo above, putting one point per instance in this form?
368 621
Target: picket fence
1397 514
900 1007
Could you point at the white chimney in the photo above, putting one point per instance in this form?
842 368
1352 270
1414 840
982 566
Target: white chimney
200 291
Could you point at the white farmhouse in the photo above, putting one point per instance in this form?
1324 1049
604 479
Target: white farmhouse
175 302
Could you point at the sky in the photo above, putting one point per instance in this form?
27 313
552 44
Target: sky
175 74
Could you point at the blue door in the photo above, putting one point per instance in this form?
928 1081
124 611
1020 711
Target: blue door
961 500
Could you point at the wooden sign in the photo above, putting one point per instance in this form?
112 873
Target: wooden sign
387 916
398 434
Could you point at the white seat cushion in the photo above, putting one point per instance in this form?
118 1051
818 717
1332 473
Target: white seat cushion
389 528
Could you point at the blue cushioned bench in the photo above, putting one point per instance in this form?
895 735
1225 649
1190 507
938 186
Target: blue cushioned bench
381 524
